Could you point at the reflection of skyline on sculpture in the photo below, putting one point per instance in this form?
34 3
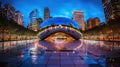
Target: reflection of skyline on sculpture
64 8
55 41
60 21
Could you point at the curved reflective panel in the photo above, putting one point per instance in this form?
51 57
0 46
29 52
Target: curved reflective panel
60 21
47 31
59 40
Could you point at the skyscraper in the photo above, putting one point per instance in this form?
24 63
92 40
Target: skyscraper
46 13
19 18
89 23
9 11
33 16
111 9
35 25
93 22
96 20
33 20
78 17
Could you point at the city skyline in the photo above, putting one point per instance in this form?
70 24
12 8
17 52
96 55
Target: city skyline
65 8
59 33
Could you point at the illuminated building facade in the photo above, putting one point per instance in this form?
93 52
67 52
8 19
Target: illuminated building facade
93 22
19 18
33 26
96 20
111 9
33 23
89 23
46 13
78 17
9 11
33 16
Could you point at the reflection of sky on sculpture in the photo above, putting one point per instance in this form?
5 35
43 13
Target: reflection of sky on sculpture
59 21
64 8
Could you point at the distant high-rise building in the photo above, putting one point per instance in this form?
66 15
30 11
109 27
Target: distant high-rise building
111 9
33 16
9 11
19 18
33 20
93 22
35 25
39 21
89 23
46 13
78 17
96 20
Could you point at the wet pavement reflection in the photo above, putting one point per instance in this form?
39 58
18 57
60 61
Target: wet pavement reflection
79 53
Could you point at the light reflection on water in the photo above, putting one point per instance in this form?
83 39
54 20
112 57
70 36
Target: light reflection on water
92 52
14 48
103 46
34 59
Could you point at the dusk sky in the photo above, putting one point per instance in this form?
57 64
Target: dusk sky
59 8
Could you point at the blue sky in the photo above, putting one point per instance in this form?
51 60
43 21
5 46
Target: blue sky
59 8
